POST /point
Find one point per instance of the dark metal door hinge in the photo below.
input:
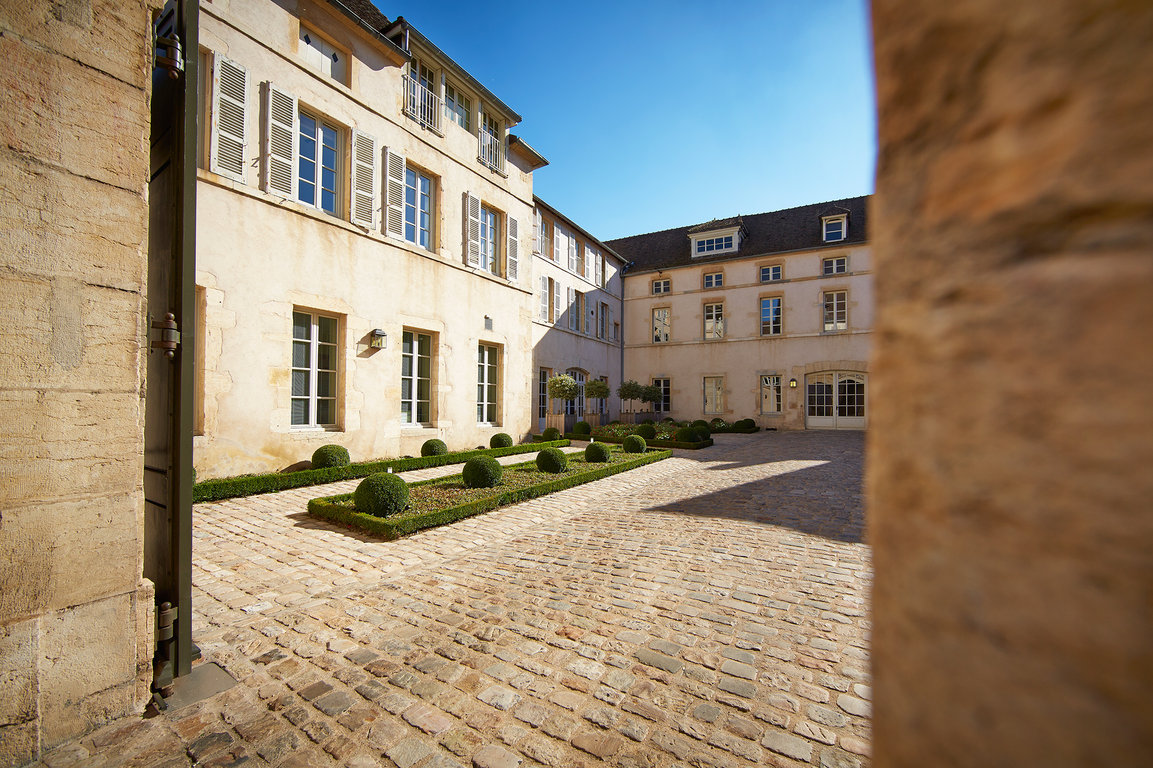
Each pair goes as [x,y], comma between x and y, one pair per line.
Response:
[169,335]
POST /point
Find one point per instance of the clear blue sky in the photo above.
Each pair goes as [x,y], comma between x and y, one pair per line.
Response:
[663,114]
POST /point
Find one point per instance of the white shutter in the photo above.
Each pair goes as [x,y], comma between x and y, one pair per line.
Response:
[599,263]
[512,257]
[572,254]
[363,186]
[556,312]
[588,263]
[556,243]
[536,231]
[229,103]
[393,193]
[588,313]
[610,329]
[471,230]
[280,142]
[544,298]
[573,317]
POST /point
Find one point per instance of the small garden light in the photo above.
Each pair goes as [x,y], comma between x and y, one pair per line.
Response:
[792,383]
[379,337]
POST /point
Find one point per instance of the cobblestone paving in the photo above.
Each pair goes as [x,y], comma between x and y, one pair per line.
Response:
[706,610]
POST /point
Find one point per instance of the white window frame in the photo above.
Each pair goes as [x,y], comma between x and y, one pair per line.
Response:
[542,392]
[772,385]
[458,106]
[490,239]
[665,385]
[421,186]
[410,341]
[714,316]
[714,280]
[714,385]
[664,285]
[776,273]
[488,385]
[829,232]
[313,371]
[713,243]
[834,265]
[776,307]
[576,406]
[661,320]
[317,179]
[835,311]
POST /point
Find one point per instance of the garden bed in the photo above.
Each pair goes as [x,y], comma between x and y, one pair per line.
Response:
[247,485]
[654,443]
[446,500]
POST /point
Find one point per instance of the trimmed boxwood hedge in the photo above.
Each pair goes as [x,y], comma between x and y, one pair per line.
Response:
[635,444]
[381,494]
[652,443]
[330,508]
[482,472]
[248,485]
[433,447]
[597,452]
[330,456]
[647,431]
[550,434]
[552,460]
[582,428]
[500,440]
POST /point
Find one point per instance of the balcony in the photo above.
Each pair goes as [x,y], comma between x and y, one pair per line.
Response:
[491,151]
[422,105]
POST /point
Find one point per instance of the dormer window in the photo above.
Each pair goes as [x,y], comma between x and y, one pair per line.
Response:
[835,228]
[716,241]
[715,244]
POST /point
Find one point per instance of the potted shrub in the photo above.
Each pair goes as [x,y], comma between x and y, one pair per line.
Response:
[596,389]
[629,391]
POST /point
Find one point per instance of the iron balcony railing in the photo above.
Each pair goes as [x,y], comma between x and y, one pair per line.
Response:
[421,104]
[491,151]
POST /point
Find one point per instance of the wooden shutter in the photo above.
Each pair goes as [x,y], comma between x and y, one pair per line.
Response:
[280,142]
[363,186]
[512,255]
[471,230]
[589,313]
[588,264]
[536,231]
[556,311]
[599,263]
[556,244]
[393,193]
[573,314]
[229,86]
[544,298]
[572,254]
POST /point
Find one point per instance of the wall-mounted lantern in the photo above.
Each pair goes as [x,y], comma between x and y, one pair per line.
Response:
[792,383]
[378,340]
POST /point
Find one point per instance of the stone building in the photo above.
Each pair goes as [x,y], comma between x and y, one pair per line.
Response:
[767,316]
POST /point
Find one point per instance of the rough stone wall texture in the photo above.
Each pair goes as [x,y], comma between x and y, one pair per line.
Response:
[1010,446]
[75,615]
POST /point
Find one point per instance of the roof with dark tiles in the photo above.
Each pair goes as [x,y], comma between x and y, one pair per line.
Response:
[793,229]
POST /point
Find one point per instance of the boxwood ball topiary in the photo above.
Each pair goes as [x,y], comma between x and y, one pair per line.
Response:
[433,447]
[699,423]
[647,431]
[552,433]
[635,444]
[685,435]
[703,430]
[482,472]
[330,456]
[596,452]
[500,440]
[552,460]
[381,495]
[582,428]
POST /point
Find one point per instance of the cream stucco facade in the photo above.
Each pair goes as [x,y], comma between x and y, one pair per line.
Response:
[388,249]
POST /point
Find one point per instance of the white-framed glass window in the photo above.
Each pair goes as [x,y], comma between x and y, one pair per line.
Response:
[487,384]
[660,325]
[714,394]
[542,393]
[770,394]
[603,321]
[489,240]
[771,273]
[661,286]
[458,106]
[314,348]
[491,143]
[771,316]
[715,321]
[415,378]
[576,406]
[837,265]
[665,386]
[323,55]
[836,310]
[318,161]
[714,244]
[714,280]
[834,228]
[601,404]
[418,201]
[546,239]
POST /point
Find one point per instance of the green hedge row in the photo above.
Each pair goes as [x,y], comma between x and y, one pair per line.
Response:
[247,485]
[734,430]
[329,508]
[650,443]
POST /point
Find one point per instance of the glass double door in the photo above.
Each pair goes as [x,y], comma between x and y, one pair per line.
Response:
[835,400]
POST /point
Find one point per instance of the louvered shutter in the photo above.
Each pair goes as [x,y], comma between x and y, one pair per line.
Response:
[393,193]
[280,142]
[471,230]
[588,313]
[556,311]
[544,298]
[610,329]
[536,231]
[573,314]
[363,186]
[599,263]
[556,244]
[229,87]
[588,263]
[512,256]
[572,254]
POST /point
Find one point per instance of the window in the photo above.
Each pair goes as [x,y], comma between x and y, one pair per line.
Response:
[715,244]
[458,106]
[322,55]
[714,280]
[491,140]
[666,403]
[600,404]
[835,266]
[603,321]
[772,273]
[313,370]
[770,394]
[714,394]
[542,393]
[714,321]
[489,240]
[661,286]
[318,157]
[836,310]
[835,228]
[660,325]
[545,235]
[576,406]
[418,197]
[422,102]
[486,384]
[771,316]
[415,378]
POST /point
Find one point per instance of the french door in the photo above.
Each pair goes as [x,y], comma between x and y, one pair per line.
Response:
[835,400]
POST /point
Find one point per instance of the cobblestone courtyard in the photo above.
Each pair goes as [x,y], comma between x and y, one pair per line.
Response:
[707,610]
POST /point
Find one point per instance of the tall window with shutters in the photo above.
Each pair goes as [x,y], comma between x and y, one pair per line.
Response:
[229,106]
[318,172]
[483,246]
